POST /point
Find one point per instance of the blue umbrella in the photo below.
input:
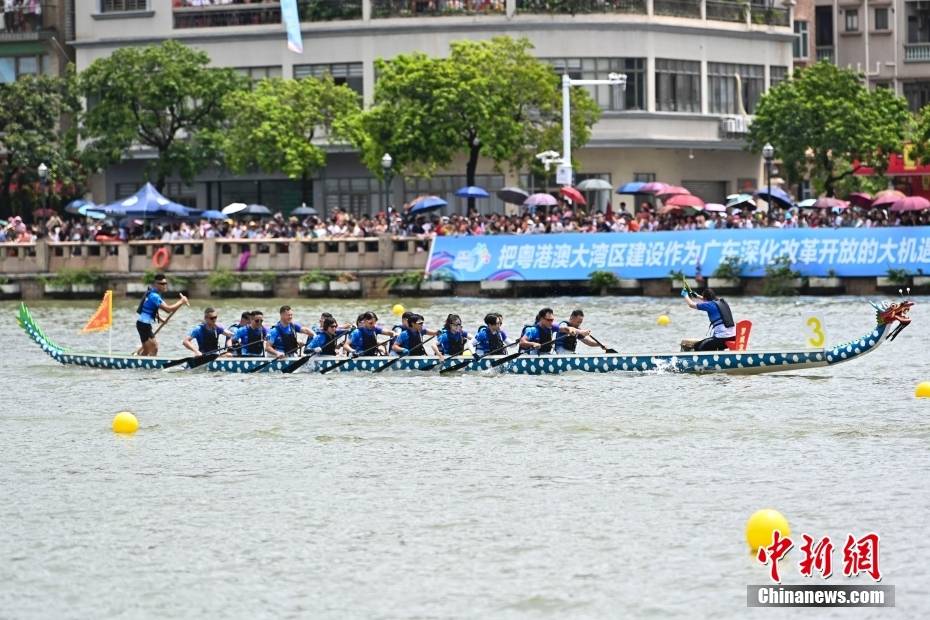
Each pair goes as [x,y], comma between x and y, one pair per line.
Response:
[430,203]
[74,206]
[778,195]
[472,191]
[88,211]
[212,214]
[632,187]
[738,199]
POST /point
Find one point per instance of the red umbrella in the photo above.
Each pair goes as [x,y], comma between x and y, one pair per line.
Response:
[653,187]
[43,213]
[826,202]
[911,203]
[573,194]
[672,190]
[887,197]
[685,200]
[860,199]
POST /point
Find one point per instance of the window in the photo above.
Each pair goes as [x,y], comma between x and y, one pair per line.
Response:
[918,22]
[777,75]
[644,177]
[852,20]
[349,74]
[608,97]
[678,85]
[881,19]
[917,95]
[260,73]
[14,67]
[123,6]
[801,40]
[724,96]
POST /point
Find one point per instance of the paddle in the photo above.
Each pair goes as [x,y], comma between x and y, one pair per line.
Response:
[350,358]
[305,358]
[514,356]
[601,345]
[265,365]
[476,358]
[403,355]
[204,358]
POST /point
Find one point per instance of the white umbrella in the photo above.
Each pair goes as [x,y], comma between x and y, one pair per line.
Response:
[591,185]
[715,207]
[235,207]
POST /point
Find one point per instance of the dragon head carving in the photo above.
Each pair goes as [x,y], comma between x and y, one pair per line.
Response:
[888,312]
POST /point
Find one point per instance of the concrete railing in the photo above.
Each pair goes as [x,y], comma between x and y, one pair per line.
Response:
[384,253]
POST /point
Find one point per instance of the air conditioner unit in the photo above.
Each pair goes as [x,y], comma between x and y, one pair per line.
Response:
[734,125]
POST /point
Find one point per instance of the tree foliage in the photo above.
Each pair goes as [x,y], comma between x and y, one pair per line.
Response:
[487,98]
[272,127]
[31,133]
[825,124]
[164,97]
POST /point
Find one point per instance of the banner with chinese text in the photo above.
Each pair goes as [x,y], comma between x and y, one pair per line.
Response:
[573,256]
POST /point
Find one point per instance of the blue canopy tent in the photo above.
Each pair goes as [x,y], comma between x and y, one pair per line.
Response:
[147,203]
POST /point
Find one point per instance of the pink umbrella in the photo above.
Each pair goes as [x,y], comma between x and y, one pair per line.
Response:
[653,187]
[911,203]
[541,200]
[826,202]
[715,207]
[685,200]
[860,199]
[672,190]
[573,194]
[887,197]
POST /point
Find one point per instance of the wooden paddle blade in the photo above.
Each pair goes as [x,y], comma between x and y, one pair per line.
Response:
[389,364]
[504,360]
[178,362]
[295,365]
[430,367]
[259,368]
[203,359]
[456,367]
[336,365]
[610,351]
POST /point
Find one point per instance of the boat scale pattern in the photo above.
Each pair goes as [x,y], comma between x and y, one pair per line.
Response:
[891,318]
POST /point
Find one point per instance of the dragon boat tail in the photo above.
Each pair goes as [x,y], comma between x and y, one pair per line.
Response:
[891,318]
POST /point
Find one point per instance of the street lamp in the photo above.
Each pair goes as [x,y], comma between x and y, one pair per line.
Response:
[43,180]
[768,153]
[564,172]
[387,163]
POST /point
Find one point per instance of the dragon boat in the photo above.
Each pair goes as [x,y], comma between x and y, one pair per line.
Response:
[891,318]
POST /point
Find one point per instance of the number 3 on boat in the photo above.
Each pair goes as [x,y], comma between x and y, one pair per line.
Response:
[817,337]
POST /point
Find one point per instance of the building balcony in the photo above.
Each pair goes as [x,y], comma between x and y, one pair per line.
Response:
[428,8]
[825,52]
[723,11]
[582,6]
[222,15]
[917,52]
[25,23]
[677,8]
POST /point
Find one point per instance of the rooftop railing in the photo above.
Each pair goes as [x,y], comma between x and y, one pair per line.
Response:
[726,11]
[222,15]
[677,8]
[27,21]
[423,8]
[573,7]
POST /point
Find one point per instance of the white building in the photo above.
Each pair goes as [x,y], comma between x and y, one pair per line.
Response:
[678,121]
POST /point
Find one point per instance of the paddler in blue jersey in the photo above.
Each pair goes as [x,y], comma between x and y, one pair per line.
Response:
[282,339]
[490,337]
[251,338]
[570,332]
[148,313]
[720,317]
[325,341]
[205,338]
[452,340]
[539,338]
[364,338]
[410,341]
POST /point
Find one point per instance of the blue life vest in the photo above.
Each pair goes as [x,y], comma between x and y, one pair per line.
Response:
[287,337]
[253,343]
[544,338]
[149,305]
[567,341]
[207,339]
[452,344]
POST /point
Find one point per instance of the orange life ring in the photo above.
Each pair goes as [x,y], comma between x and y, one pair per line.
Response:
[161,257]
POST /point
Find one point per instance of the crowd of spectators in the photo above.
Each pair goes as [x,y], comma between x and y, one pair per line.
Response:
[558,219]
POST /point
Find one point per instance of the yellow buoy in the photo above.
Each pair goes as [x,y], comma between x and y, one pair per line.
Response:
[923,390]
[762,524]
[397,310]
[125,423]
[663,320]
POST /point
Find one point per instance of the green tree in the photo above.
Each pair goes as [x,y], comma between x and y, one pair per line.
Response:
[488,98]
[825,124]
[34,129]
[164,97]
[272,127]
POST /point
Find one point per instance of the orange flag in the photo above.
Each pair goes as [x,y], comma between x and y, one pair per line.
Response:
[103,317]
